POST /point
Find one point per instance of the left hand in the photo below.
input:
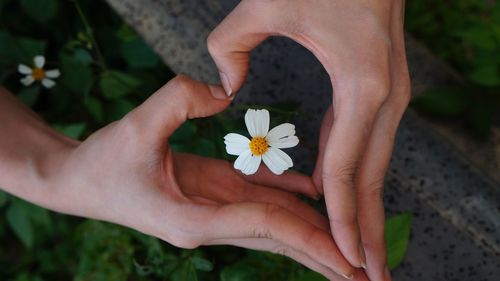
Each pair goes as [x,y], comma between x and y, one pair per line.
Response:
[126,173]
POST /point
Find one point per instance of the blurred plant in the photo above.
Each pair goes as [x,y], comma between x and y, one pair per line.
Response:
[107,70]
[466,33]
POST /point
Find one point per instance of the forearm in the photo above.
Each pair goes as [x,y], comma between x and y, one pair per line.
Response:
[30,151]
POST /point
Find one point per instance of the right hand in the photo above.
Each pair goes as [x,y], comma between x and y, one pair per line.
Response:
[126,173]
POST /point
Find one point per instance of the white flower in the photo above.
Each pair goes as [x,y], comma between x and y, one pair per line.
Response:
[37,73]
[265,145]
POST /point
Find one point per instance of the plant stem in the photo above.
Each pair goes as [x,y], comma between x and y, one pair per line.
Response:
[90,34]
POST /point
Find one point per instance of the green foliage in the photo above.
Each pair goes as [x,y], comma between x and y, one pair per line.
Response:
[24,217]
[466,33]
[74,131]
[115,84]
[397,235]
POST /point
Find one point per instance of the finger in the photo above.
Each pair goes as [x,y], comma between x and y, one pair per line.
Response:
[269,245]
[356,105]
[288,181]
[180,99]
[256,220]
[324,132]
[250,23]
[378,154]
[288,201]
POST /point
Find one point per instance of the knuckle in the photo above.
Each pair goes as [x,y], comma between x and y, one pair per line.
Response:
[262,232]
[180,83]
[374,191]
[342,223]
[345,175]
[281,250]
[375,88]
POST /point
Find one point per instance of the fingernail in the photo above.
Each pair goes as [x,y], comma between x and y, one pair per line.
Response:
[226,84]
[362,256]
[218,93]
[387,274]
[350,276]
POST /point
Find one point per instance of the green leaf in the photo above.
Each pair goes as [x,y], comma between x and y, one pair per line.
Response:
[74,131]
[83,56]
[239,272]
[139,54]
[40,10]
[442,102]
[29,95]
[186,272]
[397,234]
[204,147]
[311,276]
[75,75]
[115,84]
[116,109]
[19,222]
[94,108]
[3,198]
[487,75]
[202,264]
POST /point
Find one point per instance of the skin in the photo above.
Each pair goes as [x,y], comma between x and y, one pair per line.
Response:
[361,45]
[127,174]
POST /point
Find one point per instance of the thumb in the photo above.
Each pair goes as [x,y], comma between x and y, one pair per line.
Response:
[182,98]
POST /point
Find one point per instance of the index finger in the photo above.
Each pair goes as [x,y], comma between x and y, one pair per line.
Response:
[346,145]
[257,220]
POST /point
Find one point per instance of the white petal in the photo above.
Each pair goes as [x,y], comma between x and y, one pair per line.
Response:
[23,69]
[253,165]
[277,161]
[257,121]
[28,80]
[247,163]
[286,142]
[236,143]
[47,83]
[39,61]
[54,73]
[282,136]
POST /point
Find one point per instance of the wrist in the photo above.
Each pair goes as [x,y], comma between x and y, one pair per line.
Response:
[31,164]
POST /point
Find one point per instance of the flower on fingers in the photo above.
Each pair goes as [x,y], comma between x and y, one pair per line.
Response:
[265,144]
[38,74]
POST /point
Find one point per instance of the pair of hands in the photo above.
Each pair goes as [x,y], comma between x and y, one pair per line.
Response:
[131,177]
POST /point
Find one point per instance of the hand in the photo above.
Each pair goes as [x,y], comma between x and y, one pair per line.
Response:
[126,173]
[361,45]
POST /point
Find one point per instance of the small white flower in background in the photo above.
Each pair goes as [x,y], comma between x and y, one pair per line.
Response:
[37,73]
[264,146]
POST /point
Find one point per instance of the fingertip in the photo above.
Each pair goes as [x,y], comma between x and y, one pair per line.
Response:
[219,93]
[226,84]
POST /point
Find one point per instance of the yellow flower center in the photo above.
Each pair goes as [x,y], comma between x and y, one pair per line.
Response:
[258,146]
[38,74]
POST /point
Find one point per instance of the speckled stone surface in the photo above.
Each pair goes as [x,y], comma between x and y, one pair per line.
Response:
[456,229]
